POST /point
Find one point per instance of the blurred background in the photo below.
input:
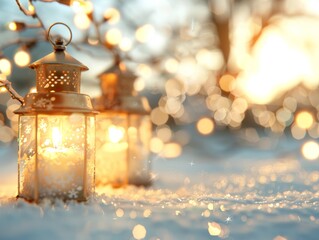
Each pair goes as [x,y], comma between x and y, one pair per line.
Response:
[245,68]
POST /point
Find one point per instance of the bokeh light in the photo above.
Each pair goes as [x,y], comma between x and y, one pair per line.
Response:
[158,117]
[214,229]
[227,83]
[12,26]
[5,66]
[205,126]
[139,231]
[112,15]
[113,36]
[156,145]
[22,58]
[144,33]
[310,150]
[171,150]
[125,44]
[81,21]
[304,119]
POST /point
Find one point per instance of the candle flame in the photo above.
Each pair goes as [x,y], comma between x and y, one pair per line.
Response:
[115,134]
[56,137]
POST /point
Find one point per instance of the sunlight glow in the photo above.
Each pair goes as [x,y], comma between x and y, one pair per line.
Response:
[280,60]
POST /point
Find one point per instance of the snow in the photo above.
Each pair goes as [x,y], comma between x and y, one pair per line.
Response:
[220,185]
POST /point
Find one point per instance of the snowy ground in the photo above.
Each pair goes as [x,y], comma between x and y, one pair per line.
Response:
[221,187]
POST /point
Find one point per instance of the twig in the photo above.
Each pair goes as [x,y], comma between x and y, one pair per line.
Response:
[24,10]
[7,84]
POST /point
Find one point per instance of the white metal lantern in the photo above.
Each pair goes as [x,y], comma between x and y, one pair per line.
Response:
[56,131]
[123,132]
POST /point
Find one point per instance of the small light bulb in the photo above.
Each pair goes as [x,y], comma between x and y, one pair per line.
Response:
[112,15]
[113,36]
[82,21]
[12,26]
[22,58]
[5,66]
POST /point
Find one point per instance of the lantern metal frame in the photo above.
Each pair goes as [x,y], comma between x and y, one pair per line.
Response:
[58,85]
[118,99]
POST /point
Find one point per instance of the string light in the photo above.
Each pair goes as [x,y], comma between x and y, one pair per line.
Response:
[112,15]
[81,20]
[5,66]
[22,57]
[113,36]
[16,26]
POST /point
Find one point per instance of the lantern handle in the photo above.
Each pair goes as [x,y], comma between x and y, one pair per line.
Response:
[50,37]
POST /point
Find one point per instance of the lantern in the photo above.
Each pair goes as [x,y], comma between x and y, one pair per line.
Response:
[56,131]
[123,131]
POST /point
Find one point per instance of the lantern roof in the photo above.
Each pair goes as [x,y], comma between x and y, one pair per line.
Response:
[59,57]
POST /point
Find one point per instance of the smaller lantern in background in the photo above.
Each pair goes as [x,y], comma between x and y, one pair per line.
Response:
[123,131]
[56,131]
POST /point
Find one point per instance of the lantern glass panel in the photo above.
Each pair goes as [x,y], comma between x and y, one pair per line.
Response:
[122,145]
[111,148]
[90,155]
[26,156]
[60,160]
[139,135]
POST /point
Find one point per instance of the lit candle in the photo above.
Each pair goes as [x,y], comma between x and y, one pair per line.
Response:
[60,170]
[112,158]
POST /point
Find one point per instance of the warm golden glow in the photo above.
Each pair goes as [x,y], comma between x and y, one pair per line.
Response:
[112,15]
[205,126]
[56,137]
[125,44]
[212,60]
[210,206]
[22,58]
[33,90]
[119,212]
[144,33]
[158,117]
[12,26]
[84,6]
[139,84]
[31,8]
[115,133]
[164,133]
[144,70]
[113,36]
[5,66]
[214,229]
[156,145]
[171,150]
[279,61]
[310,150]
[139,231]
[171,65]
[81,21]
[304,120]
[227,83]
